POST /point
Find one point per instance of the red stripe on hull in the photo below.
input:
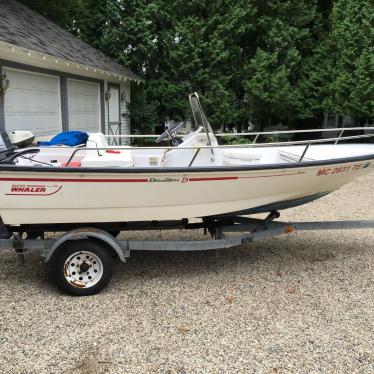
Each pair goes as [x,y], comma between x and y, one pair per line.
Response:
[139,180]
[212,179]
[71,180]
[274,175]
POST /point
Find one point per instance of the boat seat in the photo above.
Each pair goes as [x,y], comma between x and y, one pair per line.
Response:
[121,158]
[105,158]
[234,157]
[293,156]
[241,154]
[97,140]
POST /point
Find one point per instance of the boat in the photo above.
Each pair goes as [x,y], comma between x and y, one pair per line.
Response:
[90,191]
[194,177]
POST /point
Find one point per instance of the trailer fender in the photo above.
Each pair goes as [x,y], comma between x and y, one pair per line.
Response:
[87,233]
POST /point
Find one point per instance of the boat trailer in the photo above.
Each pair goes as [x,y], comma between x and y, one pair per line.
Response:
[82,257]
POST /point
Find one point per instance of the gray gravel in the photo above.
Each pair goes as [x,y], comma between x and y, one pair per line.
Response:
[302,304]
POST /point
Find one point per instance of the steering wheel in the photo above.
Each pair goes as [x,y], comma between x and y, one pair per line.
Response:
[171,133]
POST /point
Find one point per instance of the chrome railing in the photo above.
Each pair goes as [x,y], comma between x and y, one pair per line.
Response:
[257,134]
[307,143]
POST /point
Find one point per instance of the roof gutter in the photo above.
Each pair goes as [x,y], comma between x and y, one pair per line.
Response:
[45,60]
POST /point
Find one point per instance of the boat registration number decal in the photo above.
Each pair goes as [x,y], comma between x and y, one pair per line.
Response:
[338,170]
[33,189]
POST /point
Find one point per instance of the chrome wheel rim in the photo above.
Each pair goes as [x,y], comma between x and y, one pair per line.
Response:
[83,269]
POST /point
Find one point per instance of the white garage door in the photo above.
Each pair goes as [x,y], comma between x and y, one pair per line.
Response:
[32,103]
[83,105]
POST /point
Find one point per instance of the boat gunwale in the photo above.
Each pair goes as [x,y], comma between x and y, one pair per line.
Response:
[185,169]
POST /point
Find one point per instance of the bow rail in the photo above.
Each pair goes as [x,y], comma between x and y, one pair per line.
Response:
[307,143]
[341,130]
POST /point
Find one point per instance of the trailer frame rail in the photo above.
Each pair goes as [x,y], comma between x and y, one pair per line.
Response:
[252,230]
[82,258]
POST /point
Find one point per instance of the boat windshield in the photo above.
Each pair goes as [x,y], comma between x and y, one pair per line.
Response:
[200,118]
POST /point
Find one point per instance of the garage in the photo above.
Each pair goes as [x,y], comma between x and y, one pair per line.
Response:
[83,105]
[51,81]
[32,102]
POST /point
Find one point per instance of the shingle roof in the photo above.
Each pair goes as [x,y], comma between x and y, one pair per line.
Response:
[21,26]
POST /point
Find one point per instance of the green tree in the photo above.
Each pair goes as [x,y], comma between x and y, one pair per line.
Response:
[62,12]
[284,32]
[268,60]
[351,90]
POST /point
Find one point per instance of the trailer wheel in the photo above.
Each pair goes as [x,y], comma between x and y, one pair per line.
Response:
[82,267]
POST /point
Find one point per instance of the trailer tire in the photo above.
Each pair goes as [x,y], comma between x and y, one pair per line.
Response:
[82,267]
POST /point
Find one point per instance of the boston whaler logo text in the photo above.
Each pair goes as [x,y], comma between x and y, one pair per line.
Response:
[183,179]
[33,189]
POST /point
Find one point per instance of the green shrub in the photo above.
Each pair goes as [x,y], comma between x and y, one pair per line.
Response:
[229,139]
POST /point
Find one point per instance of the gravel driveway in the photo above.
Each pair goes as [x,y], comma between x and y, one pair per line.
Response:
[302,304]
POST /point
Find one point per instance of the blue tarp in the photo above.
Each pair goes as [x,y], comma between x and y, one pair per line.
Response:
[69,138]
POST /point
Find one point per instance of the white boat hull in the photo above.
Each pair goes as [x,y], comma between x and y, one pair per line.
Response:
[43,197]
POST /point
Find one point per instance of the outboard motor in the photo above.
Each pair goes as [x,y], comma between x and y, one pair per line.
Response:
[21,138]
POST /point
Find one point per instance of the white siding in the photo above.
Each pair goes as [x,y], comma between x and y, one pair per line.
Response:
[125,121]
[113,104]
[32,103]
[83,105]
